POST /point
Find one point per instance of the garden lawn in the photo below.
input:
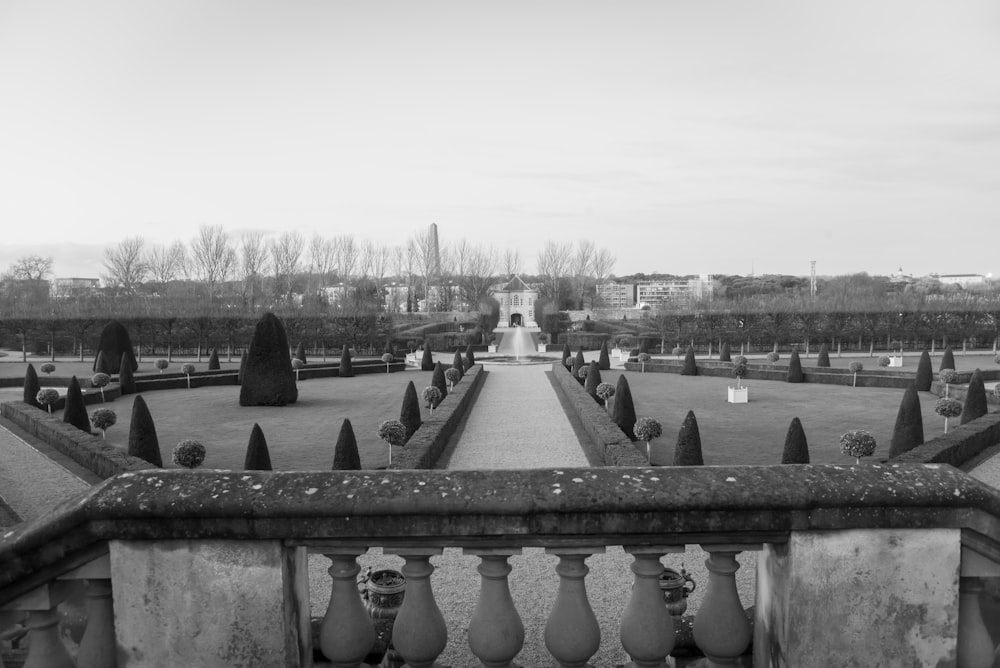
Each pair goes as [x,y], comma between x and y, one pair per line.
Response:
[300,436]
[754,433]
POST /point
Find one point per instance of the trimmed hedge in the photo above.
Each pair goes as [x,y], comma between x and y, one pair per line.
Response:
[428,442]
[608,445]
[958,446]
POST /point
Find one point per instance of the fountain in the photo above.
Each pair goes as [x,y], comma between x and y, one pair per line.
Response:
[516,347]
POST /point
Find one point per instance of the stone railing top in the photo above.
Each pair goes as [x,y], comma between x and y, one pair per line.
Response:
[593,506]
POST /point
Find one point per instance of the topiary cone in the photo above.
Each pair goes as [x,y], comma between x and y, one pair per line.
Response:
[690,366]
[796,448]
[142,440]
[409,414]
[623,409]
[975,398]
[688,449]
[213,360]
[470,357]
[300,352]
[456,363]
[258,457]
[113,344]
[439,381]
[593,380]
[243,366]
[268,379]
[724,354]
[794,374]
[126,381]
[604,360]
[925,375]
[31,387]
[908,432]
[947,359]
[345,453]
[578,363]
[427,361]
[823,359]
[75,412]
[346,370]
[566,354]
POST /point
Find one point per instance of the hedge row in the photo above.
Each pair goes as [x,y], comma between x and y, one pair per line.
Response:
[427,444]
[958,446]
[608,446]
[88,450]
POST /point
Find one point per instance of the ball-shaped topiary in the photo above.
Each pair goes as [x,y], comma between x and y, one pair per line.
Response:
[773,357]
[452,375]
[883,360]
[605,391]
[676,351]
[47,398]
[432,396]
[48,368]
[388,358]
[161,364]
[392,432]
[647,428]
[103,419]
[858,443]
[189,454]
[268,379]
[854,368]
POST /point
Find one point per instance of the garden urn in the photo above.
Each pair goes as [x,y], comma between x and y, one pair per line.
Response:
[675,590]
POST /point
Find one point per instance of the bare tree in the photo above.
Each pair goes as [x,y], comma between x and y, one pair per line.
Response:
[581,269]
[347,252]
[403,266]
[286,253]
[378,258]
[126,265]
[167,263]
[29,268]
[212,256]
[427,262]
[253,255]
[511,262]
[601,267]
[553,265]
[322,257]
[475,271]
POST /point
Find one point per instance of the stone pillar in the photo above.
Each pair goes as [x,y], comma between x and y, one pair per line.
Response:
[496,632]
[347,633]
[721,629]
[572,634]
[206,603]
[859,597]
[647,629]
[419,633]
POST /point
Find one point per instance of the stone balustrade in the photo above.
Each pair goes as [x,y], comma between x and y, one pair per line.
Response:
[857,565]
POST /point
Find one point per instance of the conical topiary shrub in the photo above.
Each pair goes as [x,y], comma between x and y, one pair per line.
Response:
[345,453]
[794,374]
[142,440]
[243,366]
[258,458]
[909,430]
[947,359]
[31,387]
[593,380]
[690,366]
[427,361]
[213,360]
[268,379]
[126,381]
[457,363]
[470,357]
[604,359]
[566,354]
[623,411]
[409,413]
[975,398]
[439,381]
[75,412]
[688,449]
[724,354]
[578,364]
[796,448]
[823,360]
[114,343]
[300,352]
[346,370]
[925,375]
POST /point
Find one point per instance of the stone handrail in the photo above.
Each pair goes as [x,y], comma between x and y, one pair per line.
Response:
[922,516]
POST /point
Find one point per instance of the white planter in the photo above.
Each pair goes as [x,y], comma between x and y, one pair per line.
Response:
[542,347]
[738,395]
[896,360]
[491,348]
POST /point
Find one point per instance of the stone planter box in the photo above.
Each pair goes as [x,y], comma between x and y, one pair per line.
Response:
[896,360]
[738,395]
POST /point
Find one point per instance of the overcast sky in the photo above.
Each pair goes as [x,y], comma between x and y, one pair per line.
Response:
[687,137]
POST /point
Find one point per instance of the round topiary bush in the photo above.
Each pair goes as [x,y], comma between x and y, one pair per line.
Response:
[854,368]
[857,444]
[432,396]
[100,380]
[646,429]
[392,432]
[773,357]
[605,391]
[48,368]
[47,398]
[452,375]
[883,361]
[103,419]
[161,364]
[388,358]
[189,454]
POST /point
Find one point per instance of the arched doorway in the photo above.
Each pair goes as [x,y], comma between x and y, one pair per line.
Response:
[516,320]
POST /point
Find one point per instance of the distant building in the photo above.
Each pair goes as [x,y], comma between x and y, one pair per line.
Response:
[616,295]
[962,280]
[74,288]
[517,304]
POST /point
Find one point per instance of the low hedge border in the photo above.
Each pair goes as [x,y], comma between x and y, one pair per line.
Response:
[86,449]
[609,446]
[958,446]
[424,448]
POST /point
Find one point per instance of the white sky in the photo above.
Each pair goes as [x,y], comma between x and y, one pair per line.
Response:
[687,137]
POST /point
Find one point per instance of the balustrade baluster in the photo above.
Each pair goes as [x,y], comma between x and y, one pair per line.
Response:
[347,633]
[721,629]
[496,633]
[975,648]
[419,633]
[572,634]
[97,646]
[45,647]
[647,629]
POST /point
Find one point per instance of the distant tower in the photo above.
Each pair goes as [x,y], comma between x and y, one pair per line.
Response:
[436,250]
[812,280]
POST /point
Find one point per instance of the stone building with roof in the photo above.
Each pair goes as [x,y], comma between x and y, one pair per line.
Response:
[517,304]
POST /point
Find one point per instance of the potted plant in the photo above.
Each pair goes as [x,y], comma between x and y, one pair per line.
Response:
[857,444]
[739,394]
[646,429]
[382,594]
[948,408]
[392,432]
[100,380]
[605,391]
[102,419]
[189,453]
